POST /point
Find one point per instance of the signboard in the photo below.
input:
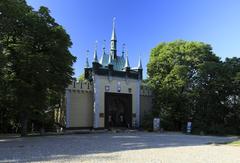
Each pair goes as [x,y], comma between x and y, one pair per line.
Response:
[189,127]
[156,124]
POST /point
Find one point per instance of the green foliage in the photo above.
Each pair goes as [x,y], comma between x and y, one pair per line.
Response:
[36,65]
[192,84]
[147,123]
[235,143]
[81,78]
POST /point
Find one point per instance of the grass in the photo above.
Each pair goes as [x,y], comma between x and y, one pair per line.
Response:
[235,143]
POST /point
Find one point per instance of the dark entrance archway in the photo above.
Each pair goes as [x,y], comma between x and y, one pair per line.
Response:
[118,110]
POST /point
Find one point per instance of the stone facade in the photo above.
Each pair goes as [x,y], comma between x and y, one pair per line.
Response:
[79,102]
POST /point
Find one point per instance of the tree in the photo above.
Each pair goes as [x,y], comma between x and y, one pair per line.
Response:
[218,103]
[172,72]
[191,83]
[39,63]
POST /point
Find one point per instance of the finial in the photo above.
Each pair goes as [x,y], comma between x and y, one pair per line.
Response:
[123,48]
[140,63]
[95,58]
[127,65]
[87,64]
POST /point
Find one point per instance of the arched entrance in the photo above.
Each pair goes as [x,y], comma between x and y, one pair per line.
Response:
[118,110]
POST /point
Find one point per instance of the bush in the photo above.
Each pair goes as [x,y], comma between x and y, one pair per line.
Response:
[147,123]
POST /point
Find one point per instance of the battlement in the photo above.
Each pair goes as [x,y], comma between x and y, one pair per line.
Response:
[80,86]
[86,86]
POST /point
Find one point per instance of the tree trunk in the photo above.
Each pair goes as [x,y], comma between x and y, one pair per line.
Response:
[1,122]
[24,125]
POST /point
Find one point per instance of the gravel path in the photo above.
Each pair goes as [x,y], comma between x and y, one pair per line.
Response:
[120,147]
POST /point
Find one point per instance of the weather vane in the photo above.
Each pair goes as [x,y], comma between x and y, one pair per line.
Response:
[87,53]
[123,46]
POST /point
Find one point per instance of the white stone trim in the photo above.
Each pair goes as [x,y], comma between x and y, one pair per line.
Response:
[122,79]
[96,104]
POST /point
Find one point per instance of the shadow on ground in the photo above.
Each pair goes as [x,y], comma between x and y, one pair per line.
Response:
[49,148]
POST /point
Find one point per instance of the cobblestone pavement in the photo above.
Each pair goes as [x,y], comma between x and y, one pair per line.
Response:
[120,147]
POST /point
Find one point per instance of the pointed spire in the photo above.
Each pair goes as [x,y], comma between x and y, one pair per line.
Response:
[103,52]
[87,63]
[140,63]
[113,42]
[127,65]
[114,36]
[95,58]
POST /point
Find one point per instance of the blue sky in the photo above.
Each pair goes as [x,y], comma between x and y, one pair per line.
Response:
[143,24]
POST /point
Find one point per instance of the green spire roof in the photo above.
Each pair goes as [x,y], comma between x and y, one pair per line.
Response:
[109,59]
[140,63]
[87,63]
[126,61]
[118,63]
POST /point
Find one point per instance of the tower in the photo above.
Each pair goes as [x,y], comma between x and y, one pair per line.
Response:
[116,87]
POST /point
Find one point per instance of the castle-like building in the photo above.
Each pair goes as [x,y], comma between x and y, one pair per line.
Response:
[111,96]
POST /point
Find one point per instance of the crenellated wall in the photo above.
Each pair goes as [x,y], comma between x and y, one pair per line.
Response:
[81,86]
[79,105]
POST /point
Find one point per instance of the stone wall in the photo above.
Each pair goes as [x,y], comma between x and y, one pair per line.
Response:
[129,86]
[146,97]
[79,100]
[79,105]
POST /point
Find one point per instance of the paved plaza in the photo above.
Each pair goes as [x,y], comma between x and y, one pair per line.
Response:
[120,147]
